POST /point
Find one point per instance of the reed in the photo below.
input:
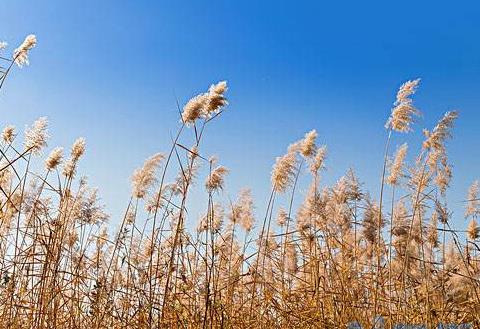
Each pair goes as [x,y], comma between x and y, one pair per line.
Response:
[340,257]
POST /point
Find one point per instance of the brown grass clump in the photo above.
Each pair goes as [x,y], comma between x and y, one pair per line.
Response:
[339,258]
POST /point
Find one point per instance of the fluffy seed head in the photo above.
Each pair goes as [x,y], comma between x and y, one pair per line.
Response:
[69,168]
[397,165]
[220,88]
[215,99]
[282,217]
[432,231]
[370,222]
[406,90]
[242,210]
[193,153]
[436,139]
[5,174]
[443,177]
[212,220]
[308,147]
[245,207]
[20,55]
[206,104]
[144,177]
[295,147]
[8,134]
[473,230]
[194,108]
[319,159]
[283,172]
[36,136]
[215,180]
[78,148]
[442,213]
[473,201]
[3,45]
[403,110]
[54,159]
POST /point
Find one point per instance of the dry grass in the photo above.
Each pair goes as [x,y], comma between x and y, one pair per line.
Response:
[341,257]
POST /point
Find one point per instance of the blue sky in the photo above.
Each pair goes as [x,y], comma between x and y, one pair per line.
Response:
[110,71]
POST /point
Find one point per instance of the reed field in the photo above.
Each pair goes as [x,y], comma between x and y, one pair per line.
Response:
[342,258]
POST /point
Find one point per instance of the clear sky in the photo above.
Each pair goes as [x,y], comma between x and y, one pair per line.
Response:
[110,71]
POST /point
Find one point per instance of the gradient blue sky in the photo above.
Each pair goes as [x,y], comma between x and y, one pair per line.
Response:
[110,70]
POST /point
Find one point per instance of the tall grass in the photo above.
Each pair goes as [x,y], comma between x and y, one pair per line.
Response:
[339,258]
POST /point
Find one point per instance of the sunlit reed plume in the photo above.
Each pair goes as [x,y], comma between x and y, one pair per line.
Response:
[206,104]
[436,139]
[144,177]
[397,165]
[473,230]
[36,136]
[8,134]
[54,159]
[319,159]
[78,148]
[473,200]
[282,217]
[215,180]
[403,110]
[283,171]
[20,54]
[308,147]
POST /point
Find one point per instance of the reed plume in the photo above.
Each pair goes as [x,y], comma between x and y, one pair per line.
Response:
[20,55]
